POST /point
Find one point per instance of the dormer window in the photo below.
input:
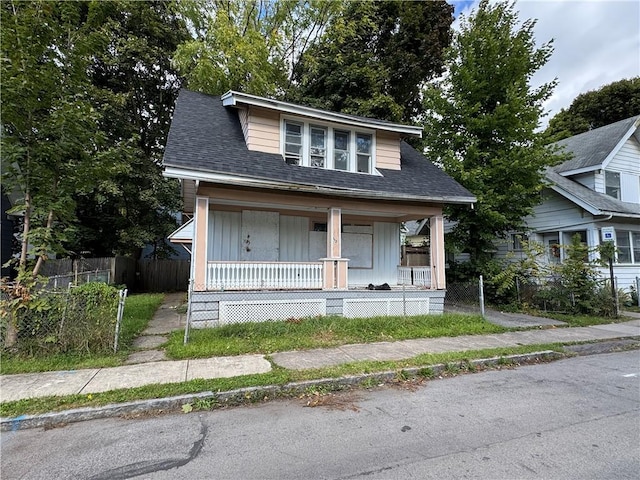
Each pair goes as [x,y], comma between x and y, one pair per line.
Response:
[326,146]
[341,150]
[293,143]
[318,147]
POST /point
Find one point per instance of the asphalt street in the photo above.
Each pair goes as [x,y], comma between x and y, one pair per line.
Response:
[575,418]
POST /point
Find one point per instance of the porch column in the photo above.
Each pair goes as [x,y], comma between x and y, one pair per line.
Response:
[438,279]
[199,247]
[335,267]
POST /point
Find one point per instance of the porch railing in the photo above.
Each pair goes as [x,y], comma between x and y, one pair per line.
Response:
[418,276]
[264,275]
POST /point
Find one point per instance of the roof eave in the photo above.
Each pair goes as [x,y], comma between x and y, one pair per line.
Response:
[215,177]
[232,99]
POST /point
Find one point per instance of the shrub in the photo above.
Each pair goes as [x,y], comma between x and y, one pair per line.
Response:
[81,320]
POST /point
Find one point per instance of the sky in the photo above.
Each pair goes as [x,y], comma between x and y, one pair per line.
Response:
[596,42]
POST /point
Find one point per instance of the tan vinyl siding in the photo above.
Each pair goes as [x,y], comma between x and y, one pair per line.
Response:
[387,151]
[263,130]
[188,195]
[244,121]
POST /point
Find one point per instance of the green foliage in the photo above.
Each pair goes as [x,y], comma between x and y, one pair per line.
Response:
[50,131]
[515,270]
[138,311]
[482,125]
[373,59]
[87,94]
[597,108]
[250,46]
[81,320]
[135,88]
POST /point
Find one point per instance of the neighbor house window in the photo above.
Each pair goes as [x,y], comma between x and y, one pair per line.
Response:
[628,245]
[293,143]
[326,146]
[518,240]
[612,184]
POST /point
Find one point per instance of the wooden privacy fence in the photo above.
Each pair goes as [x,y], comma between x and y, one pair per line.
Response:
[163,275]
[137,275]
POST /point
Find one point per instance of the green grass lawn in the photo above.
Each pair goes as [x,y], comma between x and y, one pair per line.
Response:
[321,332]
[138,310]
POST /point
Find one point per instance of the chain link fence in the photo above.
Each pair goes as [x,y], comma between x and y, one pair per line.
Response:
[465,297]
[79,319]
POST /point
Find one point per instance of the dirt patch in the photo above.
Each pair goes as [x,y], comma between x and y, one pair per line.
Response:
[343,400]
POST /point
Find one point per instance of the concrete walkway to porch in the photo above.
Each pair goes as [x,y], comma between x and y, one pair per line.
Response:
[88,381]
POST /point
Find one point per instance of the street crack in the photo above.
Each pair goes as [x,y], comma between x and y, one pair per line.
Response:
[148,467]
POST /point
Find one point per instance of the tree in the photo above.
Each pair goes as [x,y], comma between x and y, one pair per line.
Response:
[374,58]
[135,90]
[482,123]
[597,108]
[249,46]
[51,142]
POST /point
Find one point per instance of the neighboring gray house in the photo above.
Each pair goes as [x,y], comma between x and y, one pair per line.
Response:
[594,194]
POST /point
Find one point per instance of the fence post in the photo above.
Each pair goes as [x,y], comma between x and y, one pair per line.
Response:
[122,295]
[616,300]
[638,290]
[481,293]
[189,300]
[404,300]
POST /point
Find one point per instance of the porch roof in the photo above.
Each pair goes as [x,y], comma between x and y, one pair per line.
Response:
[206,142]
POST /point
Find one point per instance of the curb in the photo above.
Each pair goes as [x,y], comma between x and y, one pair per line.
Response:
[258,394]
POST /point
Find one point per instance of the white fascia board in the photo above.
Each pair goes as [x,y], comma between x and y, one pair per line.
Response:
[578,171]
[622,141]
[232,99]
[174,172]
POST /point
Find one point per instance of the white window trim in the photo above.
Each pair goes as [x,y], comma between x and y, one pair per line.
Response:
[329,160]
[629,235]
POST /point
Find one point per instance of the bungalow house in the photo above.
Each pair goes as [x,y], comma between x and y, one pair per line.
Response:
[296,211]
[595,194]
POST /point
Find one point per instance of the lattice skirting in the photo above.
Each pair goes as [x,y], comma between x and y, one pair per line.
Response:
[260,311]
[210,309]
[380,307]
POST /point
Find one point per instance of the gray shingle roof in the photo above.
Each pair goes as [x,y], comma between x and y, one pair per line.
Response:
[603,204]
[591,148]
[207,137]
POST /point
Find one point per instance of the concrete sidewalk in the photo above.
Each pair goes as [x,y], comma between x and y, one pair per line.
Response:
[31,385]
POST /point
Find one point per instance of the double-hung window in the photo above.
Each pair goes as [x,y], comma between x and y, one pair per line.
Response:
[325,146]
[612,184]
[293,143]
[363,147]
[341,155]
[318,147]
[628,245]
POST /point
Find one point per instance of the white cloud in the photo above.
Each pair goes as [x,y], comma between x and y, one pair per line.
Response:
[596,42]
